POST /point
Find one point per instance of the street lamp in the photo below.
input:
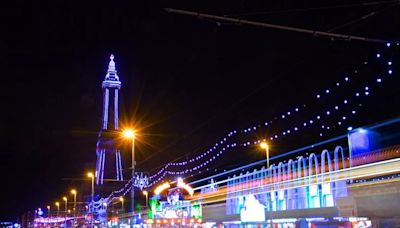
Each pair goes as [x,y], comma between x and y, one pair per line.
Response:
[66,202]
[48,210]
[265,146]
[92,204]
[130,134]
[73,192]
[121,199]
[147,195]
[58,207]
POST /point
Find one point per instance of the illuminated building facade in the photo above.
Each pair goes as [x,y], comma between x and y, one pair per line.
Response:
[297,184]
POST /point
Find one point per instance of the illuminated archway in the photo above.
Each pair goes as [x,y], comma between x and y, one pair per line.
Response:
[180,184]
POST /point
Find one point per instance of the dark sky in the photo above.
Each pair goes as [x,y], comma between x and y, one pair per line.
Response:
[186,82]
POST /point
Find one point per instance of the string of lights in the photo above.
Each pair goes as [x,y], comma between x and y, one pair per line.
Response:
[350,103]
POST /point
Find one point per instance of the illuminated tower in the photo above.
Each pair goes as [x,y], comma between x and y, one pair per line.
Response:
[106,144]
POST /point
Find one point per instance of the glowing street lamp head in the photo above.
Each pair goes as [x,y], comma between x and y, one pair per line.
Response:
[128,133]
[48,207]
[90,174]
[121,199]
[57,204]
[264,145]
[73,192]
[145,193]
[65,198]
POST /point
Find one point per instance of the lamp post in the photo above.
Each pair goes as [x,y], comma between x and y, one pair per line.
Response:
[58,207]
[265,146]
[66,202]
[130,134]
[121,199]
[48,210]
[73,192]
[92,204]
[147,195]
[66,209]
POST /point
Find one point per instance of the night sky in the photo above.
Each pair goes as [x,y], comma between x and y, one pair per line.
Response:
[186,81]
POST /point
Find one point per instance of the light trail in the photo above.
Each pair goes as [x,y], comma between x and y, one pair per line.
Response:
[363,171]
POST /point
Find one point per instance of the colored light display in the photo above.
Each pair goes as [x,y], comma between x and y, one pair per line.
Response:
[161,188]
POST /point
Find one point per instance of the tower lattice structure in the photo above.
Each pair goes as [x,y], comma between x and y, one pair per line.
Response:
[106,144]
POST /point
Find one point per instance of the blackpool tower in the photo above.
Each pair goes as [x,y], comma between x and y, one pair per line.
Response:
[106,145]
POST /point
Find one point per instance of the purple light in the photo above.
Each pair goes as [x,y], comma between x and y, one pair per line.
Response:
[304,124]
[311,121]
[357,94]
[283,116]
[353,112]
[366,93]
[288,113]
[344,118]
[328,112]
[327,91]
[378,55]
[338,84]
[378,80]
[318,96]
[318,117]
[366,88]
[387,44]
[346,79]
[345,101]
[390,71]
[295,128]
[389,63]
[339,123]
[336,107]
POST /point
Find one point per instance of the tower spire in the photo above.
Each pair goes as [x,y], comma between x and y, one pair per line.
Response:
[112,72]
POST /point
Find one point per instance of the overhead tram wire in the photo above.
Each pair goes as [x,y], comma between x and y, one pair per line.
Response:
[279,27]
[364,17]
[299,10]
